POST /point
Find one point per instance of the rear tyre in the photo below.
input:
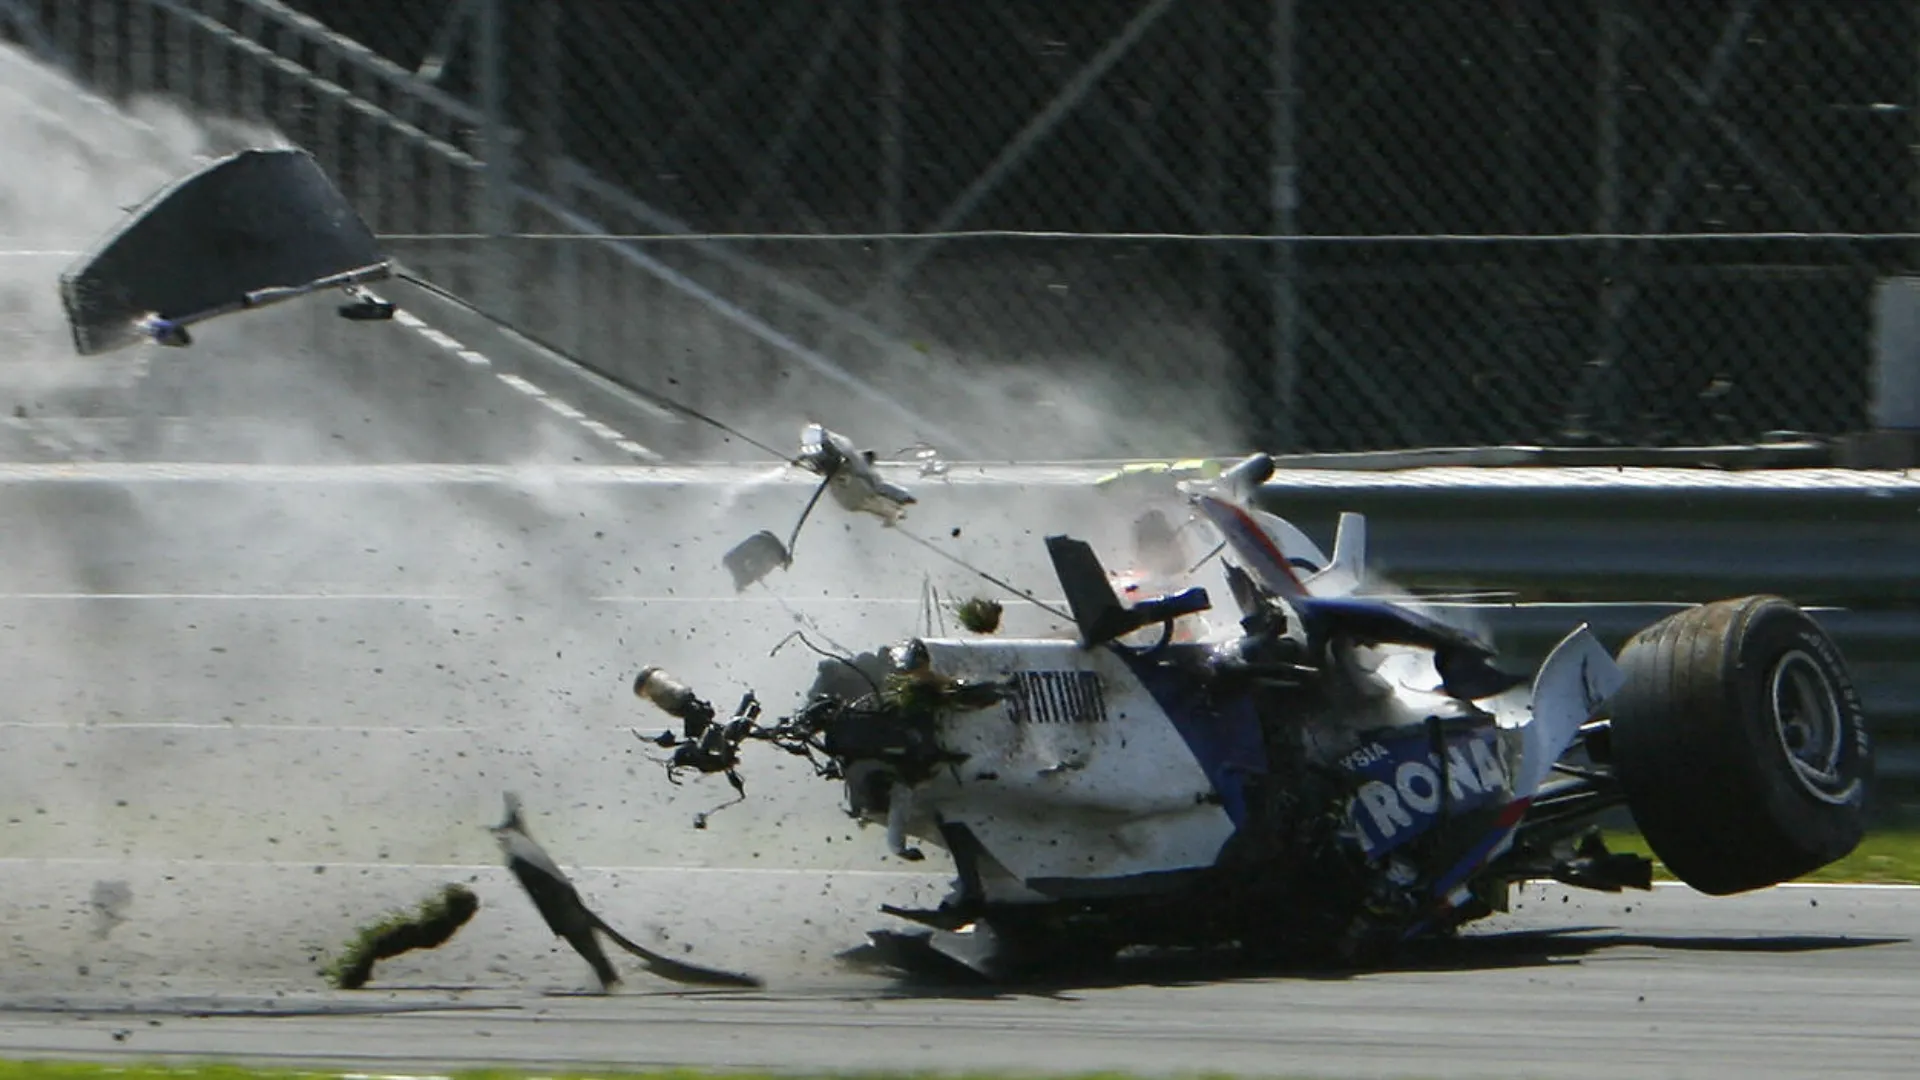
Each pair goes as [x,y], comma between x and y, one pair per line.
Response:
[1741,745]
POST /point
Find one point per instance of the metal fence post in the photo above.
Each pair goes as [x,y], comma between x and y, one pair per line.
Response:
[1213,158]
[546,108]
[1282,431]
[893,151]
[567,296]
[494,270]
[1913,139]
[66,35]
[179,57]
[556,301]
[109,74]
[1592,412]
[140,44]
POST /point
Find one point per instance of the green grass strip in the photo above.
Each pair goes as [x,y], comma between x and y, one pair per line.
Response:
[1890,857]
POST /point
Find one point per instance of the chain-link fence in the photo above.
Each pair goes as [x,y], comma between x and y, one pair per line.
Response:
[1301,224]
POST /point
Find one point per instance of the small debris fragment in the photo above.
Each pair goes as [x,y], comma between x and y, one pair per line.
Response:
[754,558]
[848,473]
[430,926]
[979,614]
[929,460]
[569,917]
[109,901]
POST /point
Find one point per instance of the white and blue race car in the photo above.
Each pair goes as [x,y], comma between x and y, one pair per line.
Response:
[1327,774]
[1326,777]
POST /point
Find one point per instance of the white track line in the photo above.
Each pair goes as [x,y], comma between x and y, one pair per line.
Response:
[1886,886]
[564,409]
[521,385]
[476,358]
[296,598]
[238,726]
[458,868]
[279,597]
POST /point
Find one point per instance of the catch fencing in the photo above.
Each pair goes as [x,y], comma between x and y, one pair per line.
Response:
[1018,228]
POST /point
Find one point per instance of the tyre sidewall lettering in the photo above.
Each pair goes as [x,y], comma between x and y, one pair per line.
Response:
[1770,635]
[1847,696]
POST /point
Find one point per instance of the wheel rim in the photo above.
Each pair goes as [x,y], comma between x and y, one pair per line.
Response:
[1811,726]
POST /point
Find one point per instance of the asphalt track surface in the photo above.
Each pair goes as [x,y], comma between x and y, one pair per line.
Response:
[283,614]
[1796,982]
[319,688]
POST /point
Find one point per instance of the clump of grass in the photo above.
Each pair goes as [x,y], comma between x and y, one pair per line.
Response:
[913,694]
[922,696]
[427,927]
[979,614]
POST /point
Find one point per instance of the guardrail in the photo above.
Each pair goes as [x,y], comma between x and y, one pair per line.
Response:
[1880,647]
[1834,537]
[1620,547]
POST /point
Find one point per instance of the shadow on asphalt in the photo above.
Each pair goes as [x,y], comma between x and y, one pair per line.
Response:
[1167,969]
[1477,952]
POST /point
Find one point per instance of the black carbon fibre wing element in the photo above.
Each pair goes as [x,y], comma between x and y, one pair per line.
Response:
[248,230]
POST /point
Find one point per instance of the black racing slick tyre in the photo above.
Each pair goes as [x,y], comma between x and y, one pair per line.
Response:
[1739,741]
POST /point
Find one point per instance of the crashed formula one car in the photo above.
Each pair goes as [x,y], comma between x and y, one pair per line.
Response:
[1329,773]
[1327,776]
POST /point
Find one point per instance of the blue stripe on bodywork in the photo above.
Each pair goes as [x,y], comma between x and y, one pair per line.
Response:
[1224,736]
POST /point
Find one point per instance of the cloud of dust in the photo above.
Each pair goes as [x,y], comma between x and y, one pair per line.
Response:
[329,732]
[343,731]
[1160,393]
[79,162]
[357,732]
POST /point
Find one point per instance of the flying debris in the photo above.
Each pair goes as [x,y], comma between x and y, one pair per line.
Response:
[430,926]
[979,614]
[849,474]
[363,306]
[568,916]
[929,460]
[846,471]
[752,559]
[248,230]
[265,226]
[704,744]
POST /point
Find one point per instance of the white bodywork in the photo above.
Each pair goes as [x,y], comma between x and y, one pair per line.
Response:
[1572,685]
[1082,775]
[1079,774]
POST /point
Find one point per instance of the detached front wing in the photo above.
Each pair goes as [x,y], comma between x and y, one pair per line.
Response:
[252,229]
